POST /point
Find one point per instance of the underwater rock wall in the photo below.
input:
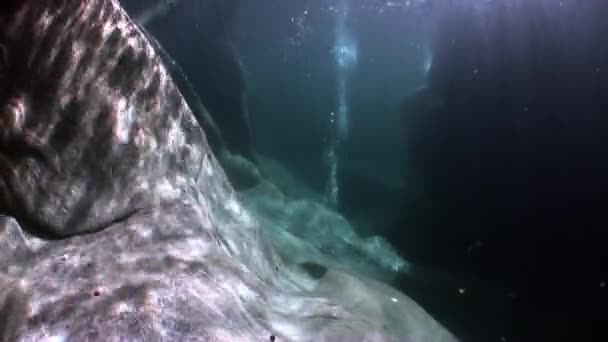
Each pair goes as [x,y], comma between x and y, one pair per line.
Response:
[118,222]
[199,37]
[295,219]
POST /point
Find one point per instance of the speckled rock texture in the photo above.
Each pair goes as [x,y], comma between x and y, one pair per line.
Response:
[118,223]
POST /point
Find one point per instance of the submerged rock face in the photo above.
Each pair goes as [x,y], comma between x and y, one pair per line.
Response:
[119,224]
[84,144]
[198,34]
[310,232]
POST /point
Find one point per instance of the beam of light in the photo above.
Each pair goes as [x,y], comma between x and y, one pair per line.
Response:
[160,8]
[332,184]
[345,47]
[345,53]
[428,59]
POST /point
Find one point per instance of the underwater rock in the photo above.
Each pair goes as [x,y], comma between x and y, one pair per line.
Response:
[119,223]
[242,172]
[305,230]
[210,59]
